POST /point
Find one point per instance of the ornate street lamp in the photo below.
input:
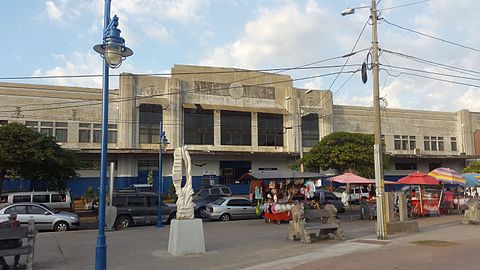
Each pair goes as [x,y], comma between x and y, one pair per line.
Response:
[113,52]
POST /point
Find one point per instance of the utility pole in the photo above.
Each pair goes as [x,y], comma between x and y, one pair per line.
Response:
[379,183]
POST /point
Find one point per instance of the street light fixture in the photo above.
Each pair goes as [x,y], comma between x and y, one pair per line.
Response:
[113,51]
[378,160]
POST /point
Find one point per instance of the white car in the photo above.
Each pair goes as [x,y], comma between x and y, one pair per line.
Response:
[45,217]
[356,193]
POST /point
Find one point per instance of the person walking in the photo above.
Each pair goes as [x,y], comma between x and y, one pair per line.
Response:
[10,243]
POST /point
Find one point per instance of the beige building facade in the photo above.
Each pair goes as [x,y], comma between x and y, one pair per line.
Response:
[231,120]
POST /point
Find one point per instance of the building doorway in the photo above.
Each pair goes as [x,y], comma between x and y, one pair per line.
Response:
[231,171]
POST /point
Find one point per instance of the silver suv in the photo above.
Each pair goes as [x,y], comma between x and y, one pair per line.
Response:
[213,190]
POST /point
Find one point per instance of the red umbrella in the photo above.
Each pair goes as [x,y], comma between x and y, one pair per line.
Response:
[418,178]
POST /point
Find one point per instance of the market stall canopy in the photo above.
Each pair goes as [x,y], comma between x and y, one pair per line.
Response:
[448,176]
[472,179]
[350,178]
[418,178]
[280,175]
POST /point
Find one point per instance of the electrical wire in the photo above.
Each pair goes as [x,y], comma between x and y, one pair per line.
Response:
[424,61]
[431,78]
[432,72]
[405,5]
[430,36]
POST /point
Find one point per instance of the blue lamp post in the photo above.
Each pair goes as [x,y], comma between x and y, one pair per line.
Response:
[113,51]
[163,144]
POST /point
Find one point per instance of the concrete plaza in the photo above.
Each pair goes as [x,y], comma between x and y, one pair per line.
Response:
[253,244]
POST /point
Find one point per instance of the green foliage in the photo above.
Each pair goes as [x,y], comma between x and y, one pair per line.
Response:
[150,178]
[344,152]
[25,153]
[473,167]
[90,195]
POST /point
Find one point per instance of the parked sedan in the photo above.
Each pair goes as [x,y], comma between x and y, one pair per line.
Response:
[201,202]
[45,217]
[227,208]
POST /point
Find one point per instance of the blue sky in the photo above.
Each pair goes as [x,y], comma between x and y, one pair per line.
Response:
[56,38]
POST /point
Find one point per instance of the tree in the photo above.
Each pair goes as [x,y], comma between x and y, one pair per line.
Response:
[25,153]
[473,167]
[345,151]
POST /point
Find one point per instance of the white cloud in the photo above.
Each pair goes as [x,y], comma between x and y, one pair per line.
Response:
[158,32]
[289,31]
[80,63]
[54,13]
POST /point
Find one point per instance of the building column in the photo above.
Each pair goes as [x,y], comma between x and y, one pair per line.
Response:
[217,131]
[126,127]
[254,124]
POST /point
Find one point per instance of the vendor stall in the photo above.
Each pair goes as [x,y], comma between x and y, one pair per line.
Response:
[276,193]
[426,201]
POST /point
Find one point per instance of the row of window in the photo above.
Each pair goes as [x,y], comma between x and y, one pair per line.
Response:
[430,143]
[412,166]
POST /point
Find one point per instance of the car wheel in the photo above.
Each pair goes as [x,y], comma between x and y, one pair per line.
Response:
[123,221]
[61,226]
[225,217]
[172,216]
[200,212]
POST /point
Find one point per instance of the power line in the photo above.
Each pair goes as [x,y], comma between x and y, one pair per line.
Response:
[432,37]
[405,5]
[433,73]
[421,60]
[272,70]
[431,78]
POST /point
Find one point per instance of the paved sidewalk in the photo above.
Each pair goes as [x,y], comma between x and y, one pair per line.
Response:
[249,244]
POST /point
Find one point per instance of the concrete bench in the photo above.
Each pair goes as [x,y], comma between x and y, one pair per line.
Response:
[27,235]
[321,223]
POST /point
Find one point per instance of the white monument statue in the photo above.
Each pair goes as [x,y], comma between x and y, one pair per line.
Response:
[186,232]
[184,194]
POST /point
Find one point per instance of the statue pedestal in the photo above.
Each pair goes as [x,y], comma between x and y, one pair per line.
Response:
[186,237]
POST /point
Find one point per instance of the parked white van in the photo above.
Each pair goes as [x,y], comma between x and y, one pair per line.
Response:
[52,199]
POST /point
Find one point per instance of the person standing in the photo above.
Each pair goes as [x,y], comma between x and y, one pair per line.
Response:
[10,243]
[448,198]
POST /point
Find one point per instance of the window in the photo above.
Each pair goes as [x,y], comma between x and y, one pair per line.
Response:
[434,143]
[148,165]
[32,124]
[426,143]
[310,130]
[453,143]
[135,201]
[119,201]
[3,122]
[41,198]
[22,198]
[405,166]
[245,203]
[215,191]
[226,191]
[198,126]
[112,133]
[59,197]
[20,209]
[61,131]
[46,128]
[150,117]
[203,193]
[270,129]
[84,132]
[404,142]
[235,202]
[97,133]
[236,128]
[35,210]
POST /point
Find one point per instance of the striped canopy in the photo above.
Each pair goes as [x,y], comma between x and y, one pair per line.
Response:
[472,179]
[448,176]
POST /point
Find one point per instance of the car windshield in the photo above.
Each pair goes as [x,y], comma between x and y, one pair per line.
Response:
[49,208]
[219,201]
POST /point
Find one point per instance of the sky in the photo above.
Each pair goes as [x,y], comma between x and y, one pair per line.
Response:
[429,59]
